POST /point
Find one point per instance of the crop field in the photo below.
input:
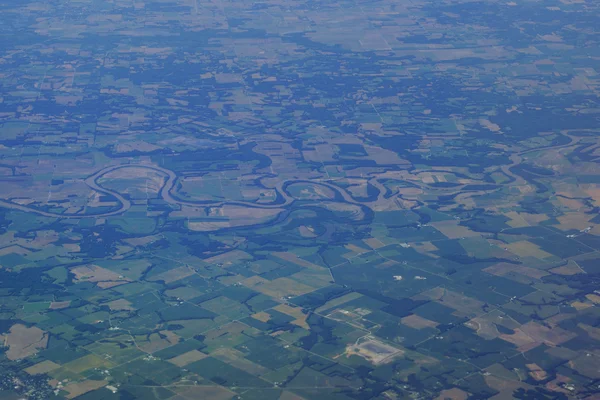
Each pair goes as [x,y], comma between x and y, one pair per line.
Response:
[299,201]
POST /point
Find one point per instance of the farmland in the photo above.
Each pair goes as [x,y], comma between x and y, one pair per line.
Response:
[306,200]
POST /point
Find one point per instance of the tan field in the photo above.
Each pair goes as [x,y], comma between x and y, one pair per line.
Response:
[42,368]
[187,358]
[23,342]
[76,389]
[103,278]
[416,322]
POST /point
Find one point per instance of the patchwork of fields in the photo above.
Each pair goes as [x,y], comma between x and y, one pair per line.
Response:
[307,200]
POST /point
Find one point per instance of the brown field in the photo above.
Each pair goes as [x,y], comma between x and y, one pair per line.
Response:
[267,115]
[42,238]
[23,342]
[355,249]
[520,339]
[42,368]
[338,301]
[277,288]
[553,336]
[293,258]
[500,371]
[321,153]
[95,200]
[183,292]
[374,243]
[593,191]
[14,250]
[229,258]
[290,396]
[594,298]
[536,372]
[120,305]
[464,306]
[453,394]
[262,316]
[170,336]
[593,332]
[111,284]
[76,389]
[430,177]
[426,248]
[533,219]
[233,328]
[142,241]
[516,220]
[575,220]
[236,359]
[504,269]
[313,277]
[578,305]
[384,156]
[410,193]
[358,187]
[137,145]
[342,315]
[416,322]
[72,247]
[187,358]
[485,325]
[527,249]
[208,226]
[314,191]
[572,268]
[87,362]
[484,328]
[155,342]
[505,387]
[141,180]
[57,305]
[229,280]
[173,275]
[492,127]
[553,385]
[557,319]
[355,212]
[466,199]
[306,231]
[211,392]
[231,216]
[295,312]
[33,192]
[452,229]
[260,194]
[103,277]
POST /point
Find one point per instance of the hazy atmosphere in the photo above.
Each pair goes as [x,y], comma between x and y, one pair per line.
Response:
[302,200]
